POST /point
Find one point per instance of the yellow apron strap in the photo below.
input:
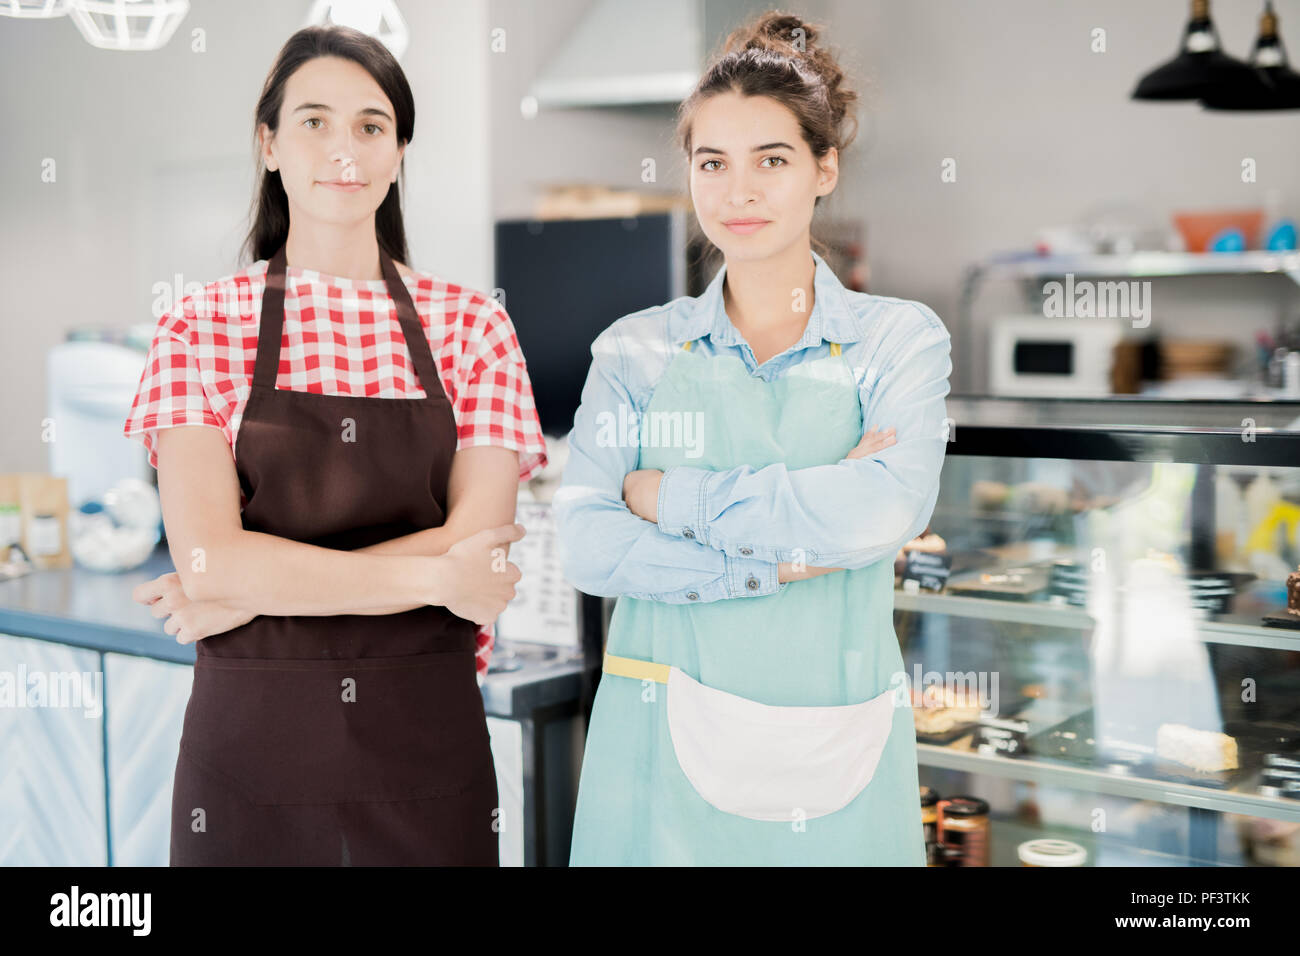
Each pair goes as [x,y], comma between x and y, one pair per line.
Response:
[636,669]
[835,347]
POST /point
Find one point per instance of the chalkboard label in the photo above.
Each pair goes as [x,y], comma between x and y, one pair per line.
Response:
[927,569]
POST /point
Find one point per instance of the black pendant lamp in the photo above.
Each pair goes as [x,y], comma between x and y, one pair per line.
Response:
[1200,67]
[1273,84]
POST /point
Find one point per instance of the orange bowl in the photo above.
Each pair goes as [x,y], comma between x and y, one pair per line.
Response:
[1198,228]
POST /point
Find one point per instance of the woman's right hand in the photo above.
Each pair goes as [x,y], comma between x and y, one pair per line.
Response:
[872,442]
[476,581]
[188,621]
[786,573]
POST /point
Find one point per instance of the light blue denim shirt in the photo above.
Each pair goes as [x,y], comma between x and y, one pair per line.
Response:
[717,530]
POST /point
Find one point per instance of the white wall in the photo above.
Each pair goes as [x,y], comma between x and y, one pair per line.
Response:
[155,172]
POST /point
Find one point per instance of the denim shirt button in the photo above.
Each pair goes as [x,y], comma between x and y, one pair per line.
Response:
[746,551]
[752,584]
[688,533]
[692,596]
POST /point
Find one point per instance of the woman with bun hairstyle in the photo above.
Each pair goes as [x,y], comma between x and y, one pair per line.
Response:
[785,441]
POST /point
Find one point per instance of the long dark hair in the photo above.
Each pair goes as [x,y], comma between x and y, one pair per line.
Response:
[270,209]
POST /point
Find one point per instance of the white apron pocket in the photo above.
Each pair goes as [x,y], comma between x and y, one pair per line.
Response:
[774,763]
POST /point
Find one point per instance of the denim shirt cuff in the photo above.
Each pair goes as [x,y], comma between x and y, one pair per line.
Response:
[751,577]
[681,493]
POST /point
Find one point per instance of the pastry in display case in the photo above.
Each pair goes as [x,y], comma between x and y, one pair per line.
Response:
[1009,583]
[1290,617]
[927,542]
[1132,587]
[942,715]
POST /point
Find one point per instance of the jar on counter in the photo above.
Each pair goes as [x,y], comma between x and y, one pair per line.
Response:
[963,824]
[1291,375]
[948,856]
[1051,852]
[930,824]
[45,534]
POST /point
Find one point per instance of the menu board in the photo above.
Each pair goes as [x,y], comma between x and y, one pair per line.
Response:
[545,608]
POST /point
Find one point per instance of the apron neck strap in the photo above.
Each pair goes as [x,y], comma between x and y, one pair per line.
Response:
[271,325]
[686,346]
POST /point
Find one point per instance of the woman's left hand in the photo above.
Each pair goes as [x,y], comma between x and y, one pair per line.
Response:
[641,492]
[187,620]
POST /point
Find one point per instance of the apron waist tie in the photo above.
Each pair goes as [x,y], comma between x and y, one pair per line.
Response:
[636,669]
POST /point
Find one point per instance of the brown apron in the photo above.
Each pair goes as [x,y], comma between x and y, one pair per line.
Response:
[350,739]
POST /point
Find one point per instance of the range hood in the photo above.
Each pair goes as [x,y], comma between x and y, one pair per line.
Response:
[626,53]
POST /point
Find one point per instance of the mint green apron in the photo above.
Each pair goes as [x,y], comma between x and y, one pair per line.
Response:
[825,642]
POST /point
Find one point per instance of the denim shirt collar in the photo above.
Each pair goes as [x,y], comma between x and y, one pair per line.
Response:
[832,318]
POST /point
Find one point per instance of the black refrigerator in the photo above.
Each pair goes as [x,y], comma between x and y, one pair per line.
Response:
[563,281]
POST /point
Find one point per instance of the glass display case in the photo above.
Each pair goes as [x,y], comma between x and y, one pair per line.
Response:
[1103,655]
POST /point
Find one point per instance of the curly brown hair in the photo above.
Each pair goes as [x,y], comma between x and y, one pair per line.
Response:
[777,55]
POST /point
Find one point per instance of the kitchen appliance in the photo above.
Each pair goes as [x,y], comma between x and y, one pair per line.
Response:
[565,280]
[90,389]
[1030,355]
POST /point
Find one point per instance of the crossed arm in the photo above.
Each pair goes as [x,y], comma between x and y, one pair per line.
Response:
[746,521]
[852,513]
[237,574]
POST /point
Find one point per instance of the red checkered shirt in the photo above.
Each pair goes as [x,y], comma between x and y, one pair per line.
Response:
[342,337]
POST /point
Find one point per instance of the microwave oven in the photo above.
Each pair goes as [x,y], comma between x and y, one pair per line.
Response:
[1036,356]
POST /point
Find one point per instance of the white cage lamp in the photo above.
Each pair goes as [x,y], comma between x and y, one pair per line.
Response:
[34,9]
[128,24]
[378,18]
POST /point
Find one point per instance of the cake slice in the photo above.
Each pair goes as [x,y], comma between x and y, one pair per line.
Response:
[1203,750]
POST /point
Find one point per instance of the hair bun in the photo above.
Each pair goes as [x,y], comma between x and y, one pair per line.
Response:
[776,31]
[777,55]
[794,38]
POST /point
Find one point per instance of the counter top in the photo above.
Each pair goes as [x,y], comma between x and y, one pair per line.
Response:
[94,610]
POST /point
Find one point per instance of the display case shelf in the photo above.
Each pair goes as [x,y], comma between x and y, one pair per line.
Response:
[1150,264]
[1104,849]
[957,756]
[1158,682]
[1029,266]
[1227,629]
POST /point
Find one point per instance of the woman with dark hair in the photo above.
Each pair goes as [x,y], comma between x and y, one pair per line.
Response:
[753,707]
[339,441]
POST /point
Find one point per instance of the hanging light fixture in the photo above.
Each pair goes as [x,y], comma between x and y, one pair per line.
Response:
[1273,85]
[33,9]
[128,24]
[1200,66]
[378,18]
